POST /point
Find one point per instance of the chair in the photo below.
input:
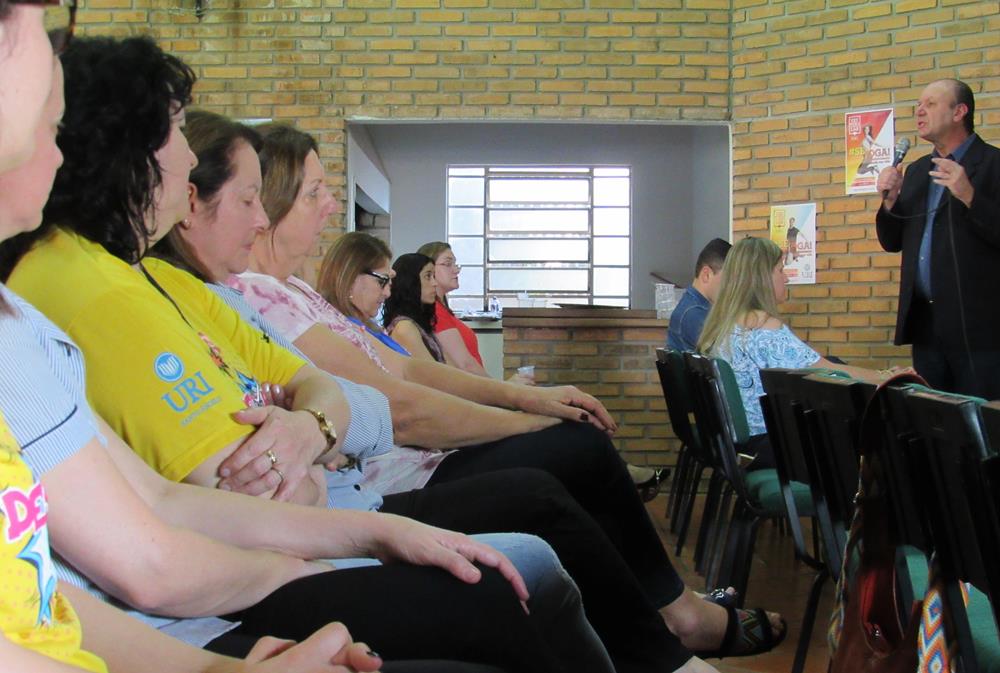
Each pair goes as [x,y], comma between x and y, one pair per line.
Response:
[810,444]
[959,504]
[691,461]
[721,422]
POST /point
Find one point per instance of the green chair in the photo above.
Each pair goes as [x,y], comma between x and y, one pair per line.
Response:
[721,422]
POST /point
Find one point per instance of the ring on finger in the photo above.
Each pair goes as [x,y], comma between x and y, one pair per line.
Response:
[281,477]
[271,457]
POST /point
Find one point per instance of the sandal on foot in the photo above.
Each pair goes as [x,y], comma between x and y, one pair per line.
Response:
[650,488]
[748,632]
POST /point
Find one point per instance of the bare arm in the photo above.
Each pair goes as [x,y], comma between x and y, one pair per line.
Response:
[457,354]
[140,559]
[294,440]
[127,644]
[409,338]
[565,402]
[305,532]
[860,373]
[417,411]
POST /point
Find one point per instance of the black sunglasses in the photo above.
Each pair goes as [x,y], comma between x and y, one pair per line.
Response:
[382,278]
[59,21]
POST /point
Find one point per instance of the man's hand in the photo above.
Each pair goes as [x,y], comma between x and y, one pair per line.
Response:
[329,650]
[399,539]
[566,402]
[951,174]
[889,182]
[277,455]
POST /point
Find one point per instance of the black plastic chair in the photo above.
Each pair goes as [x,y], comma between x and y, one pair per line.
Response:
[959,505]
[813,439]
[691,461]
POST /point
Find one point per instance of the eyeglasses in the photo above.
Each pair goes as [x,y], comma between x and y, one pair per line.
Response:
[59,20]
[383,279]
[450,265]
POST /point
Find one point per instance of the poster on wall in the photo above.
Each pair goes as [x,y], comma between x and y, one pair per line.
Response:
[793,228]
[868,144]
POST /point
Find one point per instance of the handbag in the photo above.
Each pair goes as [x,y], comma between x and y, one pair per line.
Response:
[866,634]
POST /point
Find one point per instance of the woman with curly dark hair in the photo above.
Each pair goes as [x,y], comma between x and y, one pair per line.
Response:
[408,313]
[177,375]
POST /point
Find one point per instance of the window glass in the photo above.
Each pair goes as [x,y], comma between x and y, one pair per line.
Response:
[539,220]
[559,233]
[611,221]
[539,280]
[468,250]
[611,251]
[466,191]
[539,250]
[465,221]
[610,281]
[503,190]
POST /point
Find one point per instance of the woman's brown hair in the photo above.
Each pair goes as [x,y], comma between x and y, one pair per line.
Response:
[350,256]
[282,164]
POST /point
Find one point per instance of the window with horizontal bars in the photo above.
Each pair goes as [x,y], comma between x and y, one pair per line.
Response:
[559,234]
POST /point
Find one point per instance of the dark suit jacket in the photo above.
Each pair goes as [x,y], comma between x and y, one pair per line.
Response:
[975,283]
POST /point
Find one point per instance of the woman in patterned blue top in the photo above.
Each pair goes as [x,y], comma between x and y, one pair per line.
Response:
[745,329]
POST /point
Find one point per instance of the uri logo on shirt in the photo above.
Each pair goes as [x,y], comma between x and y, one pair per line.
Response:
[168,367]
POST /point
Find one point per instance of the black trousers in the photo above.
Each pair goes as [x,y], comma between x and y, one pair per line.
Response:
[941,358]
[238,645]
[408,612]
[577,495]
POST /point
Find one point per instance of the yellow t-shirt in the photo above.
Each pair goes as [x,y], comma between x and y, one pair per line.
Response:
[165,372]
[32,613]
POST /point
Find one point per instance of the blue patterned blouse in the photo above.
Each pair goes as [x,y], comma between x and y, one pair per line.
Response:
[750,350]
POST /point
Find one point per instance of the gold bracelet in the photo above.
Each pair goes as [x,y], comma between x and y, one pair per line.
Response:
[325,426]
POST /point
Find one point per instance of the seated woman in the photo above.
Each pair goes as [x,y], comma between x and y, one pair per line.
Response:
[217,244]
[175,571]
[39,630]
[408,312]
[210,244]
[458,341]
[344,281]
[745,329]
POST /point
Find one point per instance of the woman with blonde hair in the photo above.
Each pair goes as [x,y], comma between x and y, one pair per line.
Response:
[745,329]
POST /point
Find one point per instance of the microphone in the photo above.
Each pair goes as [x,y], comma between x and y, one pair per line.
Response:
[902,147]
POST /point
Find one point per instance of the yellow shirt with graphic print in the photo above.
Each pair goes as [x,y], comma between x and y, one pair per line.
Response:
[168,363]
[33,614]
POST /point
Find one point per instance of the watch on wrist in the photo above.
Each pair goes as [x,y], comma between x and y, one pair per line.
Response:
[325,426]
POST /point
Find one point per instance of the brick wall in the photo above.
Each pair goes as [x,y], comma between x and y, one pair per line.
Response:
[783,72]
[797,67]
[613,363]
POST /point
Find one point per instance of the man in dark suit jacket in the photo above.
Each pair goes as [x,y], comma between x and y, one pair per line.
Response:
[945,218]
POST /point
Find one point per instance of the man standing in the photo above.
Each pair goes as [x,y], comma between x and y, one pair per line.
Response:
[689,316]
[945,218]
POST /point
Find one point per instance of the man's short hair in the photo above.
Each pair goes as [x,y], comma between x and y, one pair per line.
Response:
[712,255]
[963,94]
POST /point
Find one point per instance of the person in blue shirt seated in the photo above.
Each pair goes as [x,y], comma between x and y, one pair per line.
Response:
[689,317]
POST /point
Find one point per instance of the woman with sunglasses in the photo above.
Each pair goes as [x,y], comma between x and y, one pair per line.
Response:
[356,279]
[177,571]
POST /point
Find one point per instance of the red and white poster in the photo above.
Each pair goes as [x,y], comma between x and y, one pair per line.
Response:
[868,146]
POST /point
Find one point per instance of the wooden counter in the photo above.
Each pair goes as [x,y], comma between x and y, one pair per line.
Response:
[609,353]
